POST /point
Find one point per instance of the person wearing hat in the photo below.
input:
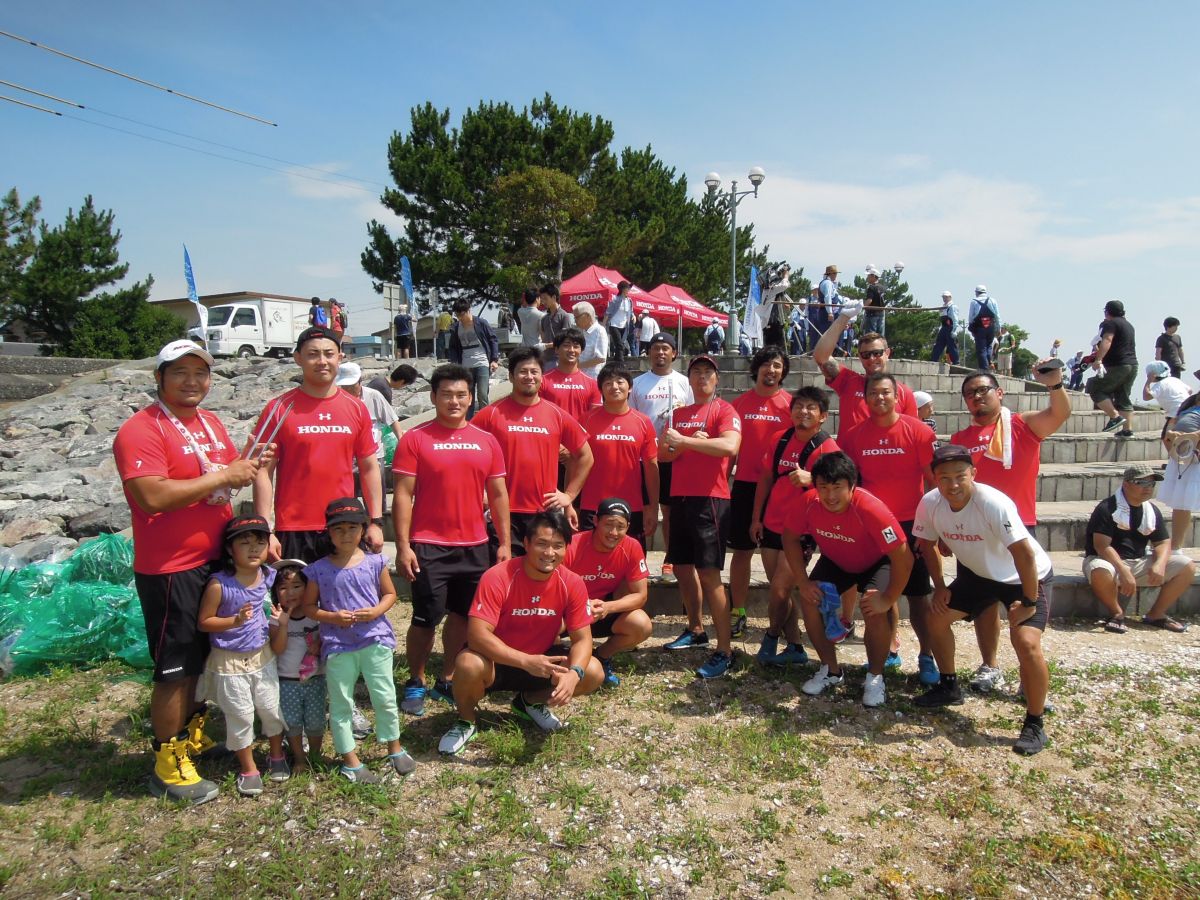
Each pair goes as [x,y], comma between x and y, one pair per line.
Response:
[349,379]
[999,562]
[612,565]
[1006,346]
[873,303]
[714,336]
[1127,547]
[647,328]
[321,432]
[701,443]
[924,401]
[1116,354]
[944,344]
[1169,347]
[337,318]
[1165,389]
[983,319]
[178,467]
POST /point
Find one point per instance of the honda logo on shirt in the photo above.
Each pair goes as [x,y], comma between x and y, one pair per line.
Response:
[324,417]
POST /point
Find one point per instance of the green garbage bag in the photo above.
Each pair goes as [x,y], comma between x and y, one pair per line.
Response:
[108,557]
[389,447]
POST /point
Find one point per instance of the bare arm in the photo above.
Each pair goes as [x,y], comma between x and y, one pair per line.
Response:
[726,443]
[210,601]
[1046,421]
[402,503]
[650,510]
[823,351]
[1102,347]
[497,492]
[634,597]
[157,494]
[578,467]
[481,637]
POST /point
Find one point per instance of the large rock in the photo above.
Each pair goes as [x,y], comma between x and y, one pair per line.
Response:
[25,529]
[51,548]
[103,520]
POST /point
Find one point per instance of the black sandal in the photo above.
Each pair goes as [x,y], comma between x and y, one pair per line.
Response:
[1115,625]
[1166,623]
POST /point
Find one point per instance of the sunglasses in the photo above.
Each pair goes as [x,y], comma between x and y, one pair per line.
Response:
[1144,482]
[871,354]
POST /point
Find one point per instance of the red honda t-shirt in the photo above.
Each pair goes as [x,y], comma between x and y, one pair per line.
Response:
[1019,482]
[891,461]
[576,393]
[529,438]
[317,445]
[854,540]
[784,495]
[451,467]
[620,444]
[764,419]
[603,572]
[852,405]
[148,445]
[697,474]
[526,614]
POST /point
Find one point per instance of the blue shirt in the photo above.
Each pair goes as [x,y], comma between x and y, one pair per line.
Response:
[979,303]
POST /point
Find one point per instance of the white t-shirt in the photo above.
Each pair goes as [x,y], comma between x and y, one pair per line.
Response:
[597,345]
[293,654]
[1169,393]
[656,395]
[619,310]
[980,533]
[382,415]
[649,329]
[530,318]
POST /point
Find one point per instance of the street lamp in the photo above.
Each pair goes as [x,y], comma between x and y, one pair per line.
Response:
[733,197]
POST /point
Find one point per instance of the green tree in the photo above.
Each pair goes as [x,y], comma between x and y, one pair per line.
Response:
[545,211]
[122,325]
[18,241]
[909,334]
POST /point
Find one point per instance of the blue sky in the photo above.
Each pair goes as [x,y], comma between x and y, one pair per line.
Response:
[1047,150]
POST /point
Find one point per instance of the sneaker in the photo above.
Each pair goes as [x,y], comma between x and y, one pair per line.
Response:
[412,701]
[928,670]
[175,777]
[278,769]
[792,655]
[874,693]
[1031,741]
[767,649]
[402,763]
[460,734]
[1114,425]
[987,679]
[941,694]
[537,713]
[668,574]
[893,662]
[816,685]
[688,639]
[442,690]
[250,785]
[738,629]
[361,775]
[718,664]
[610,677]
[1125,433]
[360,725]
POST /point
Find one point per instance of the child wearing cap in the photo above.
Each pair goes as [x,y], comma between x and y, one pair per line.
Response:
[924,403]
[241,675]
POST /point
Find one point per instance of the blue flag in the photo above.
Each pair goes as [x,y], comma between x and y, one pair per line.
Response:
[406,278]
[754,318]
[201,309]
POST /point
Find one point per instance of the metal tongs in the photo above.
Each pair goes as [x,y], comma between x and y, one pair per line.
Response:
[258,438]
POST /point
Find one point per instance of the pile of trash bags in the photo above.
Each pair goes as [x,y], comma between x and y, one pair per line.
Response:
[78,612]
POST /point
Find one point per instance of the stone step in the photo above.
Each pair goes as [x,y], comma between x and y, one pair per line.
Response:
[1062,524]
[1144,446]
[1081,481]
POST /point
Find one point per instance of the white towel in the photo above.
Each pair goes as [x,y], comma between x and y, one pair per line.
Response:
[1121,516]
[1000,447]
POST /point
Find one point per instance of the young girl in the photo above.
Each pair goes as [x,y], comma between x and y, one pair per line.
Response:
[301,675]
[348,593]
[240,674]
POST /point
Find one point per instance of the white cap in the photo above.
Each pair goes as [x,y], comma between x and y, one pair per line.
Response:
[981,288]
[177,349]
[348,373]
[947,294]
[871,270]
[921,398]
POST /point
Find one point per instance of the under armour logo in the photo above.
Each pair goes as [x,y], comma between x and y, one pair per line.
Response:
[324,417]
[526,418]
[536,598]
[599,567]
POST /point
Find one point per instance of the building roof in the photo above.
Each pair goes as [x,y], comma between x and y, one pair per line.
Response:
[233,297]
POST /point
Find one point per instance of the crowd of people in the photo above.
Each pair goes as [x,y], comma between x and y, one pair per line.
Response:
[521,525]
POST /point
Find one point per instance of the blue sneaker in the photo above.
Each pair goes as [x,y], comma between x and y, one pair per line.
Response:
[413,699]
[893,662]
[928,669]
[767,649]
[610,677]
[718,664]
[687,640]
[792,655]
[442,690]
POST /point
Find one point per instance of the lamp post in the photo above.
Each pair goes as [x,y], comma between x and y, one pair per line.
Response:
[733,196]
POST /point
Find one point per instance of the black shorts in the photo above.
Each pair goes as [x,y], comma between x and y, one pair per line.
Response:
[171,609]
[403,341]
[510,678]
[972,594]
[664,484]
[699,532]
[306,545]
[919,582]
[637,524]
[875,577]
[518,524]
[447,581]
[741,513]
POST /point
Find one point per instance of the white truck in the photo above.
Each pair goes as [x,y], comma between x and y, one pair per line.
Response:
[264,326]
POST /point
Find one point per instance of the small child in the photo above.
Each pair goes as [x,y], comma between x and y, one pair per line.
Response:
[349,593]
[240,674]
[301,675]
[924,403]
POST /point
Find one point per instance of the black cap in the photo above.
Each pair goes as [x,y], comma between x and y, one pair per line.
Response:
[613,506]
[663,338]
[315,333]
[346,509]
[951,453]
[704,358]
[243,524]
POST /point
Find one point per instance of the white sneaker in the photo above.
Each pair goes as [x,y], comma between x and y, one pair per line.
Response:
[460,734]
[874,693]
[816,685]
[987,679]
[537,713]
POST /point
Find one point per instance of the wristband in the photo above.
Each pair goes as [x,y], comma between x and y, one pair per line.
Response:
[378,520]
[1056,387]
[578,671]
[1025,601]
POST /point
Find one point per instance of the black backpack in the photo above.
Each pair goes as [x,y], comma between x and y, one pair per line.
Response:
[816,441]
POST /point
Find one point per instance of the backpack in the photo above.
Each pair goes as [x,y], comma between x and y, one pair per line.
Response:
[714,339]
[816,441]
[985,317]
[343,319]
[317,317]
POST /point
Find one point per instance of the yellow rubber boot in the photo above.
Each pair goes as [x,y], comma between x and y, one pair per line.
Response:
[174,775]
[200,745]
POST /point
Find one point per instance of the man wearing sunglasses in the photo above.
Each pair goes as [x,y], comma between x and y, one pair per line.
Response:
[874,353]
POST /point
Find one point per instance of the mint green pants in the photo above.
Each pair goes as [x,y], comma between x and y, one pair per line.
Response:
[374,664]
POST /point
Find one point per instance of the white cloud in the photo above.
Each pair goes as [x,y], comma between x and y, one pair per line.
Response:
[373,209]
[319,182]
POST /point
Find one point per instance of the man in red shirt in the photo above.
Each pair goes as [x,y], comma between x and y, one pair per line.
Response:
[178,466]
[566,385]
[613,567]
[874,353]
[701,445]
[441,540]
[764,411]
[785,478]
[520,609]
[1006,449]
[862,546]
[530,431]
[324,431]
[625,450]
[892,453]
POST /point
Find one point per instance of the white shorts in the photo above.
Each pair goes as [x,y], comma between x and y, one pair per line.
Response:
[1140,568]
[1180,491]
[242,694]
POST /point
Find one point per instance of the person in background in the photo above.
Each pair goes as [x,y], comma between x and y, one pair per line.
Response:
[617,316]
[349,379]
[1006,346]
[714,336]
[595,351]
[924,403]
[1169,346]
[1055,348]
[982,321]
[647,329]
[1077,367]
[873,303]
[818,318]
[1116,353]
[444,323]
[317,316]
[402,331]
[943,344]
[473,346]
[530,317]
[1167,390]
[401,377]
[553,323]
[337,318]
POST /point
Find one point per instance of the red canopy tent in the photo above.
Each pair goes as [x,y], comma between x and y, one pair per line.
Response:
[695,313]
[598,286]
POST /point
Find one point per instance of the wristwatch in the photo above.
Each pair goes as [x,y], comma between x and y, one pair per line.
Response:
[1055,387]
[1025,601]
[378,520]
[578,671]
